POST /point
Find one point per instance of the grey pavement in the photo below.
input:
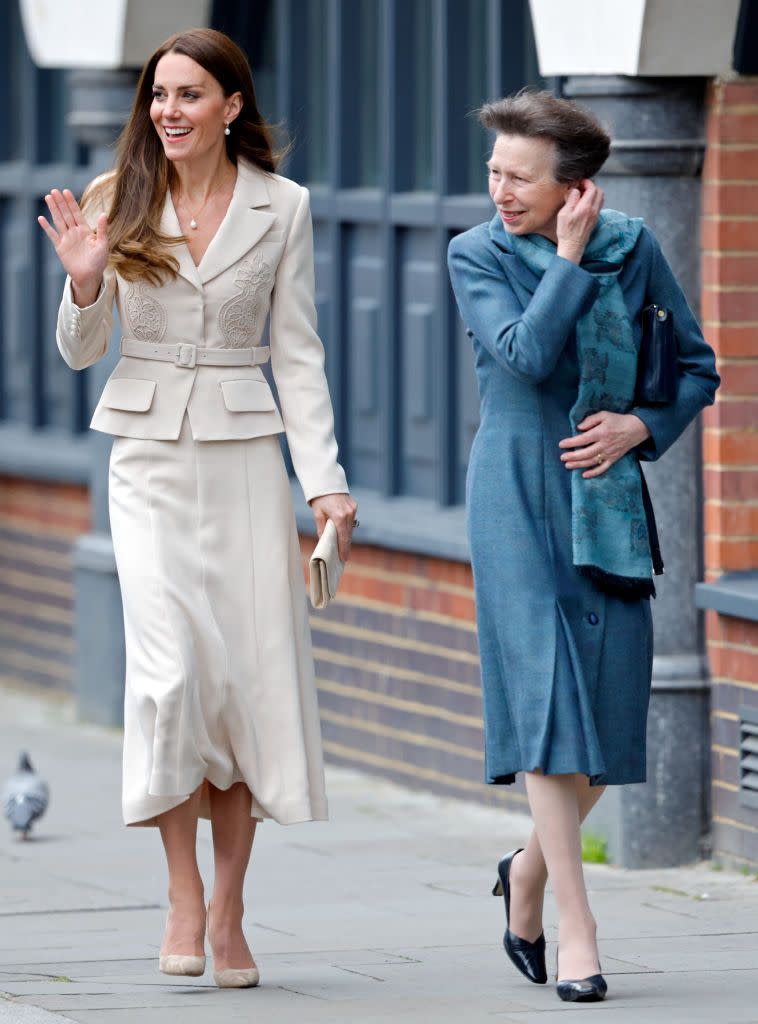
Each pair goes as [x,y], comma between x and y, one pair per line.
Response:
[382,914]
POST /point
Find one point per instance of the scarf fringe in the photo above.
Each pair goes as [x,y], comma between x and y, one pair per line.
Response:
[628,588]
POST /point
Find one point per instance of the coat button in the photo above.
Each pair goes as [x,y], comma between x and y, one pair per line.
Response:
[593,619]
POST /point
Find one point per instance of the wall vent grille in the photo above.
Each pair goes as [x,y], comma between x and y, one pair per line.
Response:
[749,757]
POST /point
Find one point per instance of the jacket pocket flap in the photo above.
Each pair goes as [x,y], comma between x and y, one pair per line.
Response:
[247,396]
[129,394]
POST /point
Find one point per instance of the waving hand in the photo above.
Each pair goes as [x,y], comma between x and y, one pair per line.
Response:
[82,251]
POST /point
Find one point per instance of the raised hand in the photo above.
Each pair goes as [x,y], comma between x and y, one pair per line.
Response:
[577,219]
[82,251]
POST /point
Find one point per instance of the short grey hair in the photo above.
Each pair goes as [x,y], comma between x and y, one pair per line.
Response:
[582,144]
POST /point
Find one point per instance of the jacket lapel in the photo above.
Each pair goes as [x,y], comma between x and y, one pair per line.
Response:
[243,226]
[511,264]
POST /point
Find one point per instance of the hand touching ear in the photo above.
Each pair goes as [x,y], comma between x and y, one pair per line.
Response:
[577,219]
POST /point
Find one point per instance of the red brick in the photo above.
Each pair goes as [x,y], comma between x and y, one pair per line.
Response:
[457,573]
[739,378]
[724,235]
[730,199]
[353,582]
[739,631]
[732,447]
[741,92]
[732,414]
[453,605]
[63,508]
[727,306]
[730,127]
[390,561]
[729,270]
[731,663]
[731,164]
[731,555]
[731,485]
[714,630]
[724,629]
[731,520]
[733,342]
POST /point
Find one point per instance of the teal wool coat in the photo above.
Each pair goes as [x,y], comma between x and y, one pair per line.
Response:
[566,669]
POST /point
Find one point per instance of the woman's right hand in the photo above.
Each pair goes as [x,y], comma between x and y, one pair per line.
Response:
[577,220]
[82,251]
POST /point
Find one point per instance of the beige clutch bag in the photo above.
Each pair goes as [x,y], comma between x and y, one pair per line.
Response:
[325,568]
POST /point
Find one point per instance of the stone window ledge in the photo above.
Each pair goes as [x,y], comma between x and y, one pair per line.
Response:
[47,454]
[415,525]
[735,595]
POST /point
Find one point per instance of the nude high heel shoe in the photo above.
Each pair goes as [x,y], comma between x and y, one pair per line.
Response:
[235,977]
[174,963]
[180,964]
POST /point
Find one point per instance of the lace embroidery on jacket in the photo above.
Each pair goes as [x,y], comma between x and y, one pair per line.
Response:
[147,317]
[238,316]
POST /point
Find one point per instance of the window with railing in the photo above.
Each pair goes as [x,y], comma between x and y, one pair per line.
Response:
[403,169]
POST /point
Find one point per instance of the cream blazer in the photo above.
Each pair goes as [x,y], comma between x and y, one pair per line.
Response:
[260,262]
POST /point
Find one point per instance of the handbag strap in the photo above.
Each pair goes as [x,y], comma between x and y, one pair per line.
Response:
[652,528]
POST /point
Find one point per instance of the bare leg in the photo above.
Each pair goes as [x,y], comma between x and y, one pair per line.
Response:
[555,810]
[185,927]
[529,873]
[233,834]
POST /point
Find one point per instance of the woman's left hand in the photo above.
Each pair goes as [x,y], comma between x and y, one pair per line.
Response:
[606,437]
[341,509]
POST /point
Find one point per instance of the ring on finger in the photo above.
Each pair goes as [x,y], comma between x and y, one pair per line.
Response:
[600,460]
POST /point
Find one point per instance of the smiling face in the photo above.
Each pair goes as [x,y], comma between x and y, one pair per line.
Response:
[189,109]
[523,187]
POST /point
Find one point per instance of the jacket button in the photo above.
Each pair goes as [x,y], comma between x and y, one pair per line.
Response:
[593,619]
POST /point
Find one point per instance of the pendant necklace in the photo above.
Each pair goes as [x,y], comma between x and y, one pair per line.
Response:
[193,220]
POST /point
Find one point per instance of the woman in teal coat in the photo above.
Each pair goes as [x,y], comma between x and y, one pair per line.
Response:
[551,291]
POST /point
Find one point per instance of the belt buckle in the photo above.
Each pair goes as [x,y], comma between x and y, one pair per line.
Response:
[186,355]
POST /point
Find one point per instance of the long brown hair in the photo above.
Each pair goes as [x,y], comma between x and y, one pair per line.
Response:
[134,193]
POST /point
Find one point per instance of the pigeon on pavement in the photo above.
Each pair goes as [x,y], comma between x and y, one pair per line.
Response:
[25,797]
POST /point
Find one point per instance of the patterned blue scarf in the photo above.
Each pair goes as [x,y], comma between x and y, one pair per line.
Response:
[609,527]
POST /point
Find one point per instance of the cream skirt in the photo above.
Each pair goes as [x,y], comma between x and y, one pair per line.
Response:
[219,673]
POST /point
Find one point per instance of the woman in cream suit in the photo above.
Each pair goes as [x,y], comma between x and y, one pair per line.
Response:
[198,241]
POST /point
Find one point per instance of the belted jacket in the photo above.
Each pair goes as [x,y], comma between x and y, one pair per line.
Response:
[258,265]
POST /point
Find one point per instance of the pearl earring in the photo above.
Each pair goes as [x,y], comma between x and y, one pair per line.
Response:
[227,130]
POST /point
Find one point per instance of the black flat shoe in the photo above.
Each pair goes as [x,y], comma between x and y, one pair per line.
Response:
[586,990]
[528,957]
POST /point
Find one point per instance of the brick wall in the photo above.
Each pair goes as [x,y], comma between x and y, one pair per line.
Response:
[730,442]
[38,524]
[398,674]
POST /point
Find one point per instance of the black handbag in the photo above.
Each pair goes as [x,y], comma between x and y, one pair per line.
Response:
[657,366]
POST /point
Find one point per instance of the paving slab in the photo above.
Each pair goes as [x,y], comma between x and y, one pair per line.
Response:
[382,914]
